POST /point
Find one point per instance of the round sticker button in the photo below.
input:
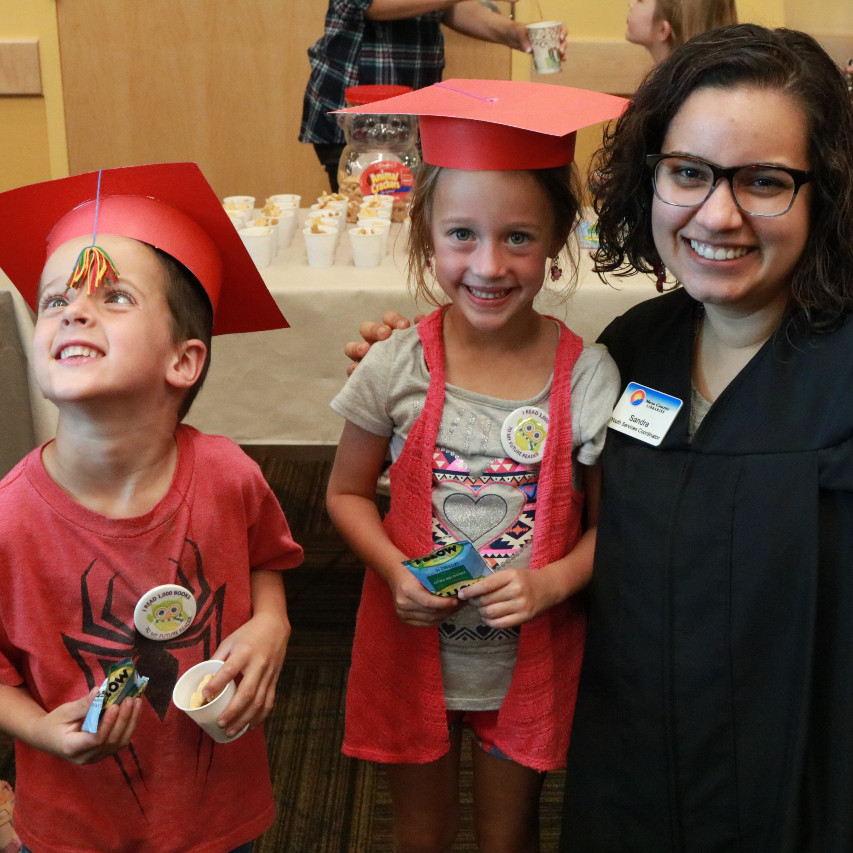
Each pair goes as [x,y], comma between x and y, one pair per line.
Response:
[164,612]
[523,434]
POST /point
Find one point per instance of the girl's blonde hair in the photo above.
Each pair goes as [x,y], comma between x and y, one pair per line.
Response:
[560,184]
[689,18]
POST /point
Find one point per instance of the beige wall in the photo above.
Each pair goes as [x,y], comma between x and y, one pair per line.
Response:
[33,142]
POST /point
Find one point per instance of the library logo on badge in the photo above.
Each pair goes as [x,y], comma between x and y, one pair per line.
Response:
[644,413]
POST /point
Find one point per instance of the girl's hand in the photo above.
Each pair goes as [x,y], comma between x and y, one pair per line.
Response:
[510,597]
[255,651]
[59,732]
[418,607]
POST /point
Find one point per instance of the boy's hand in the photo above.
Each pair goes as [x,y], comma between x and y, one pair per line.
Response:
[59,732]
[509,597]
[417,606]
[255,652]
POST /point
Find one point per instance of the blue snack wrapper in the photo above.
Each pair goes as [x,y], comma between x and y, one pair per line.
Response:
[122,682]
[447,569]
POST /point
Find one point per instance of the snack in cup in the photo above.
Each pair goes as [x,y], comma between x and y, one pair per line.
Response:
[198,699]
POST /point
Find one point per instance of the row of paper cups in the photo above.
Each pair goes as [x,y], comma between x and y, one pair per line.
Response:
[369,239]
[267,231]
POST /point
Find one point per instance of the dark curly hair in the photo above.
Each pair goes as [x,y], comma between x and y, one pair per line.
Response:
[780,60]
[560,184]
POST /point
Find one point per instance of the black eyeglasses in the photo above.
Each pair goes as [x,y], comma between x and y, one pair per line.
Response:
[758,189]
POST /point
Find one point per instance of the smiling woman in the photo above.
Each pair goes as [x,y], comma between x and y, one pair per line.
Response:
[712,712]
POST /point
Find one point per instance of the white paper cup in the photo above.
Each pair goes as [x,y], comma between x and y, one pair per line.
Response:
[384,225]
[342,206]
[287,221]
[378,198]
[366,248]
[330,212]
[322,220]
[545,38]
[285,199]
[247,201]
[273,222]
[276,209]
[320,246]
[237,217]
[238,213]
[380,210]
[260,241]
[207,715]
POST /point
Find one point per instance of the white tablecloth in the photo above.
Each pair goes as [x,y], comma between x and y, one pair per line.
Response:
[274,388]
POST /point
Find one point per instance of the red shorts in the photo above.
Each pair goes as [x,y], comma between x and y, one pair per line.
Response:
[483,724]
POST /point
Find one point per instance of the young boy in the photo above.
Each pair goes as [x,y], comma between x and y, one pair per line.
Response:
[131,535]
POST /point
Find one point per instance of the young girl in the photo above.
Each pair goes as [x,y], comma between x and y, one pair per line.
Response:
[661,26]
[492,205]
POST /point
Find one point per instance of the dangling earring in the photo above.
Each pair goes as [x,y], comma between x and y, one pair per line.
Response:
[556,272]
[660,276]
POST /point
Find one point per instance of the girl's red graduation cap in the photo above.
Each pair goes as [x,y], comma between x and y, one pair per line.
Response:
[169,205]
[500,124]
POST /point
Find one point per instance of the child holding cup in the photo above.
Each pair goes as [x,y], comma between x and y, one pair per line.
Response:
[131,535]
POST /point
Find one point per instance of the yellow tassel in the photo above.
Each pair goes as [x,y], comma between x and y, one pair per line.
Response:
[93,266]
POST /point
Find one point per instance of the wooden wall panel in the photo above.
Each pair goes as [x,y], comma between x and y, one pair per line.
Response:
[217,82]
[20,72]
[479,60]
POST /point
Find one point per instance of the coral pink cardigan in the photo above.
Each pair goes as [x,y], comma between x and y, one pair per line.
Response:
[395,699]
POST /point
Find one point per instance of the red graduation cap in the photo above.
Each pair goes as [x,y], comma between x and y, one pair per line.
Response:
[169,205]
[500,124]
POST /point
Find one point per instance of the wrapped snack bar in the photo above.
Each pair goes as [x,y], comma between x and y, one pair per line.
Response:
[122,682]
[449,568]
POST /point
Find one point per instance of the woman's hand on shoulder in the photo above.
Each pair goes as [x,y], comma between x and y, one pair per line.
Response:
[371,332]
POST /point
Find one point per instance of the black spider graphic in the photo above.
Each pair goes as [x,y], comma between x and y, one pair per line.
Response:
[113,640]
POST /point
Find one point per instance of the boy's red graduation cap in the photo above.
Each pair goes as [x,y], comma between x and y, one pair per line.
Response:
[500,124]
[169,205]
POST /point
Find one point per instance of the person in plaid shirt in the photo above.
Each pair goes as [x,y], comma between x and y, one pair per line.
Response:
[397,42]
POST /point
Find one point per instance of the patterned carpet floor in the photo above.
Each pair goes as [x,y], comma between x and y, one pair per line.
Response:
[328,803]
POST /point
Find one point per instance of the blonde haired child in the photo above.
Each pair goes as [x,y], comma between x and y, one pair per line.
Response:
[494,206]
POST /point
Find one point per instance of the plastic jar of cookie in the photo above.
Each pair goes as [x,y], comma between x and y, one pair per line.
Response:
[381,153]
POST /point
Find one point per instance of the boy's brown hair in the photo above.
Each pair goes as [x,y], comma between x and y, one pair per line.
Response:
[191,313]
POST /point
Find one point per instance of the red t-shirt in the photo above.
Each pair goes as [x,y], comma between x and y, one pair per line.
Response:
[69,581]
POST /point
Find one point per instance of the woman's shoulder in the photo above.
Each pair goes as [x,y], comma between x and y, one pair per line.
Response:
[669,316]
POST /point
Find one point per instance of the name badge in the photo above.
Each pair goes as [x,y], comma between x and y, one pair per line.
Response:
[644,413]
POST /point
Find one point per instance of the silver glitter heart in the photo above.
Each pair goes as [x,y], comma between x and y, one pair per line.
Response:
[475,517]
